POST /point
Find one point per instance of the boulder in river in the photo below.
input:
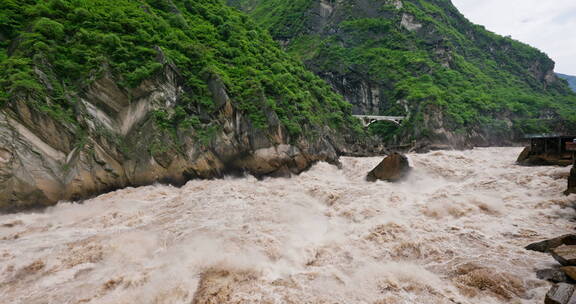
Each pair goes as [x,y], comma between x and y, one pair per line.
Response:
[560,294]
[547,245]
[523,157]
[553,275]
[393,168]
[565,255]
[528,157]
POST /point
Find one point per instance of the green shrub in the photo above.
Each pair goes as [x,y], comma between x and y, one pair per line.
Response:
[49,28]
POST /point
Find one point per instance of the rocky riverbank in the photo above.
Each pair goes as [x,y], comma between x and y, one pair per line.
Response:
[116,142]
[563,250]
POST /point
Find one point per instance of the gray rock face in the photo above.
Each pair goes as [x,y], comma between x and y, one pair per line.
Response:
[393,168]
[116,142]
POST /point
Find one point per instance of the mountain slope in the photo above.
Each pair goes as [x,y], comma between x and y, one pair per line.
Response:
[571,80]
[98,95]
[459,83]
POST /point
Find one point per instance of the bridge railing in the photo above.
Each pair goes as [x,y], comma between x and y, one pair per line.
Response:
[370,119]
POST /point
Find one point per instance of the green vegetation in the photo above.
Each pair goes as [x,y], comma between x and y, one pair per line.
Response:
[477,78]
[51,50]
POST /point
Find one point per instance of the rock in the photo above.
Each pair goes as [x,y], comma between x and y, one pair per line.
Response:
[531,158]
[547,245]
[523,157]
[559,294]
[393,168]
[553,275]
[565,255]
[571,182]
[116,142]
[570,271]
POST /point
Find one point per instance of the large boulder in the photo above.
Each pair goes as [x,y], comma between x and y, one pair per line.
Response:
[547,245]
[393,168]
[565,255]
[533,158]
[524,156]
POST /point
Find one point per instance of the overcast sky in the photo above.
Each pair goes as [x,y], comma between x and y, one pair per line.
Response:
[549,25]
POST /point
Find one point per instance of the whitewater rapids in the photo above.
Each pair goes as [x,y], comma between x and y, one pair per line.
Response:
[453,232]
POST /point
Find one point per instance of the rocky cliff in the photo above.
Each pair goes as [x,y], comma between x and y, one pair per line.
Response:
[108,94]
[458,83]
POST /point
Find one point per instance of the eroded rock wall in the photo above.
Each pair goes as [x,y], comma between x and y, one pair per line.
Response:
[115,142]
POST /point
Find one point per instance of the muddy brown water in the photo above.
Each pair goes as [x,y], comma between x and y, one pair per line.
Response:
[453,232]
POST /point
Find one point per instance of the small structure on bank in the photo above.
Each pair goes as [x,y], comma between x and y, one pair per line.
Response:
[548,150]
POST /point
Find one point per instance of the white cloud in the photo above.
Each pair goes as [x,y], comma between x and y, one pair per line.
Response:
[549,25]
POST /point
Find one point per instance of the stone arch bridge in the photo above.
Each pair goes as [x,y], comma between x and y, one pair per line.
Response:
[367,120]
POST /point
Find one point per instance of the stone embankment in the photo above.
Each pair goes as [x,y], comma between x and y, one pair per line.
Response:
[563,250]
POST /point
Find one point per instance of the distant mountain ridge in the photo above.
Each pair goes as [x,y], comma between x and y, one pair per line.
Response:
[458,83]
[571,80]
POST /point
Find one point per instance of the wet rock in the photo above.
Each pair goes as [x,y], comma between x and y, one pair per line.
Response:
[532,158]
[565,255]
[570,272]
[547,245]
[393,168]
[523,157]
[559,294]
[552,275]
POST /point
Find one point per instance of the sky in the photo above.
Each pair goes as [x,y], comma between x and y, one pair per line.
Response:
[549,25]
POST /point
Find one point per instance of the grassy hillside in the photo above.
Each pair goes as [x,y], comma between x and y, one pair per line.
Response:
[423,55]
[51,50]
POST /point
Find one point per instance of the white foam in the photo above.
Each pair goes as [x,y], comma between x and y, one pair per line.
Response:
[324,236]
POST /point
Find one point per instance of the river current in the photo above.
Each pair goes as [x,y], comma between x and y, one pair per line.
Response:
[453,232]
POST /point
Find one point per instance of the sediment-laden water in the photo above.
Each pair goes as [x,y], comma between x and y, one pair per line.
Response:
[452,233]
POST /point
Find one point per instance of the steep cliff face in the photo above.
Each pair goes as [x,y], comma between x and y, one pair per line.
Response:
[458,83]
[87,106]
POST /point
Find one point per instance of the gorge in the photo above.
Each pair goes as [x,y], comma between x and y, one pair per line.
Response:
[218,152]
[101,95]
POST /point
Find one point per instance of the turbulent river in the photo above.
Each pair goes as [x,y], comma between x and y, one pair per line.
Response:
[453,232]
